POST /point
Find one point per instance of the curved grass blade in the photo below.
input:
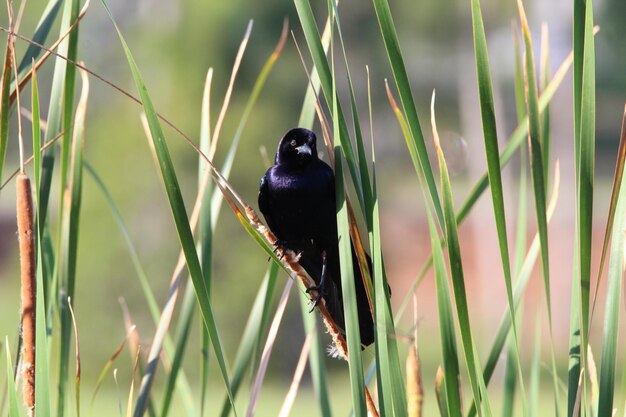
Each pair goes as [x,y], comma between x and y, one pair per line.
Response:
[612,309]
[68,250]
[617,182]
[417,146]
[317,51]
[539,180]
[513,143]
[494,170]
[458,280]
[316,354]
[391,386]
[449,351]
[346,266]
[361,158]
[179,215]
[349,292]
[520,287]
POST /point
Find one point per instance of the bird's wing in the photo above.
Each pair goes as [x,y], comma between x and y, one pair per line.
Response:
[265,207]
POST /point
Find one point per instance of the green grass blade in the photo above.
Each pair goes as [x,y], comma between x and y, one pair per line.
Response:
[205,231]
[353,335]
[492,152]
[573,371]
[349,292]
[449,352]
[536,159]
[36,133]
[458,279]
[577,329]
[515,140]
[256,326]
[361,158]
[317,50]
[179,214]
[538,180]
[612,309]
[5,93]
[544,76]
[181,338]
[70,14]
[68,251]
[42,372]
[42,31]
[510,378]
[535,374]
[391,386]
[417,145]
[586,173]
[317,354]
[14,409]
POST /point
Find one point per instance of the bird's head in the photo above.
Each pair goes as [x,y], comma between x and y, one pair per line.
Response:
[297,147]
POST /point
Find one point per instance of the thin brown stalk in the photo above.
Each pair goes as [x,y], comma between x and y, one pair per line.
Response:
[11,50]
[29,287]
[49,51]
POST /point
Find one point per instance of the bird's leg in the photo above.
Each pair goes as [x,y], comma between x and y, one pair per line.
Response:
[281,245]
[319,288]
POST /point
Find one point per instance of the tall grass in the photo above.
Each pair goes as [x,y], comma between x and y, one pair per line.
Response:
[379,383]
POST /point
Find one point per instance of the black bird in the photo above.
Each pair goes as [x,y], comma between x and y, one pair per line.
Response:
[297,199]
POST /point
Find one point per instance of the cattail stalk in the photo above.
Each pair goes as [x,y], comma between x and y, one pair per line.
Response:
[29,287]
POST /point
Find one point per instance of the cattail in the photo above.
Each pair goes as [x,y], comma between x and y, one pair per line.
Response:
[414,390]
[29,288]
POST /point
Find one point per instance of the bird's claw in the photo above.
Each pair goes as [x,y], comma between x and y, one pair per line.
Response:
[282,246]
[316,300]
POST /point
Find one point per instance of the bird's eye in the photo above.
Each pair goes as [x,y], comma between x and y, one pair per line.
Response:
[293,142]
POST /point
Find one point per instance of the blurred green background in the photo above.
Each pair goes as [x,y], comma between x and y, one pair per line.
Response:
[175,42]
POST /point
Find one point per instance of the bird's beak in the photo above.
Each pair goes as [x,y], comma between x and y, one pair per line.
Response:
[304,149]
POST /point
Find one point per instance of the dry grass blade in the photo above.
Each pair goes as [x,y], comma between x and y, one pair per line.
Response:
[297,377]
[172,295]
[129,407]
[77,346]
[267,349]
[112,359]
[617,180]
[229,91]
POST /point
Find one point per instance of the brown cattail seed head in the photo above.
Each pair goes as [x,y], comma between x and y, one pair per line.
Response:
[29,288]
